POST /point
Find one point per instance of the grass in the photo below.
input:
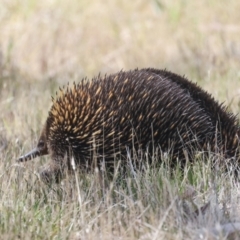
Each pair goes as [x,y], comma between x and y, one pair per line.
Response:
[44,44]
[157,203]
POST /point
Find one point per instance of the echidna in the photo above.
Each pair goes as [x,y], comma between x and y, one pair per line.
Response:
[110,115]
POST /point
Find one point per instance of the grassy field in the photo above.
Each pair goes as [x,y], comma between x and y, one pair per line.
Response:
[45,44]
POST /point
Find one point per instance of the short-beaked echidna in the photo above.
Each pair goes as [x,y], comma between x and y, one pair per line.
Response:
[109,115]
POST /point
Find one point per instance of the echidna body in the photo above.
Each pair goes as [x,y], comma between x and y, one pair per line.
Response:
[110,115]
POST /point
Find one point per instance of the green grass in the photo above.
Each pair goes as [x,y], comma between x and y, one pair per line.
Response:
[45,44]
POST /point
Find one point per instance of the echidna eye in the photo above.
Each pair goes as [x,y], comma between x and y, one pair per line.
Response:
[41,144]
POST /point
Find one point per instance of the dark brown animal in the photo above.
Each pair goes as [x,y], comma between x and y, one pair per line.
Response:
[146,108]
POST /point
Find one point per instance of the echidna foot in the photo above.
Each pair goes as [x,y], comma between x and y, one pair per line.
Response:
[51,175]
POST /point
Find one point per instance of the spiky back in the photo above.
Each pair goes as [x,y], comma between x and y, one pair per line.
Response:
[141,108]
[226,123]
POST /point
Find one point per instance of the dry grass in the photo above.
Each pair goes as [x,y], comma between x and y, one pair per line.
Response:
[47,43]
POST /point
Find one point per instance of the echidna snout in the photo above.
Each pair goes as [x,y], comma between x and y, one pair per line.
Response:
[40,150]
[50,172]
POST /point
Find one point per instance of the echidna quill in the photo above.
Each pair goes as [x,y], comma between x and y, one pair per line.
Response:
[108,116]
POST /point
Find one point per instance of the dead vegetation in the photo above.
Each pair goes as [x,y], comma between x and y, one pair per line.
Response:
[44,44]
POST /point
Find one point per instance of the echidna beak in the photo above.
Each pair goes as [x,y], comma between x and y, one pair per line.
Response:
[32,154]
